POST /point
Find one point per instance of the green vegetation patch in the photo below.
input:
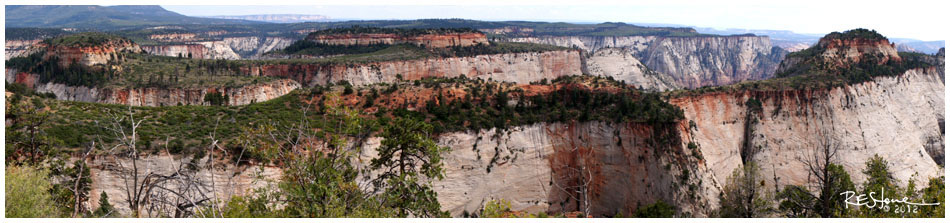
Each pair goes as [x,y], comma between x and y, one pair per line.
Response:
[383,30]
[495,48]
[307,47]
[492,105]
[85,39]
[859,33]
[140,71]
[73,124]
[812,64]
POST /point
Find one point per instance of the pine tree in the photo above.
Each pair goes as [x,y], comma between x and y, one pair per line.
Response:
[105,208]
[407,156]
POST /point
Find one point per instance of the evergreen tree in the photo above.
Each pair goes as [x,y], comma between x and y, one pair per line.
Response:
[744,195]
[105,208]
[882,183]
[934,193]
[408,158]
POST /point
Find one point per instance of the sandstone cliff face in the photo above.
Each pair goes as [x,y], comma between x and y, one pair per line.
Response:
[226,179]
[712,61]
[527,165]
[510,30]
[592,43]
[253,47]
[228,48]
[154,96]
[852,50]
[89,55]
[536,166]
[429,40]
[167,97]
[197,50]
[16,48]
[691,61]
[516,67]
[173,37]
[620,64]
[899,118]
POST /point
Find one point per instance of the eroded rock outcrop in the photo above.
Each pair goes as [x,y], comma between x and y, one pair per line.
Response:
[173,37]
[514,67]
[428,40]
[536,166]
[197,50]
[620,64]
[16,48]
[253,47]
[228,48]
[98,54]
[843,51]
[156,96]
[853,50]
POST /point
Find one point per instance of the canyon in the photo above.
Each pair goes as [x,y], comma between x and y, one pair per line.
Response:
[690,62]
[521,68]
[897,117]
[622,166]
[247,47]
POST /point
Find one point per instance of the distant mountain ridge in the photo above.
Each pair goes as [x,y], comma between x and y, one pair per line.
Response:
[100,17]
[277,18]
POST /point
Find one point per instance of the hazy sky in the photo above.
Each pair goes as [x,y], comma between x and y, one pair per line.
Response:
[910,20]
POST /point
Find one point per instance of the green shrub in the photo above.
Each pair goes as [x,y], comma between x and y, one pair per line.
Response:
[308,47]
[496,209]
[216,99]
[28,193]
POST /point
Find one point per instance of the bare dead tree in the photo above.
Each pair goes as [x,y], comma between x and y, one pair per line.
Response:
[179,193]
[211,148]
[820,176]
[573,169]
[77,192]
[125,130]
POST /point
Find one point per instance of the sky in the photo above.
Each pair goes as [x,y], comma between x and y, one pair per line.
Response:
[893,20]
[917,19]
